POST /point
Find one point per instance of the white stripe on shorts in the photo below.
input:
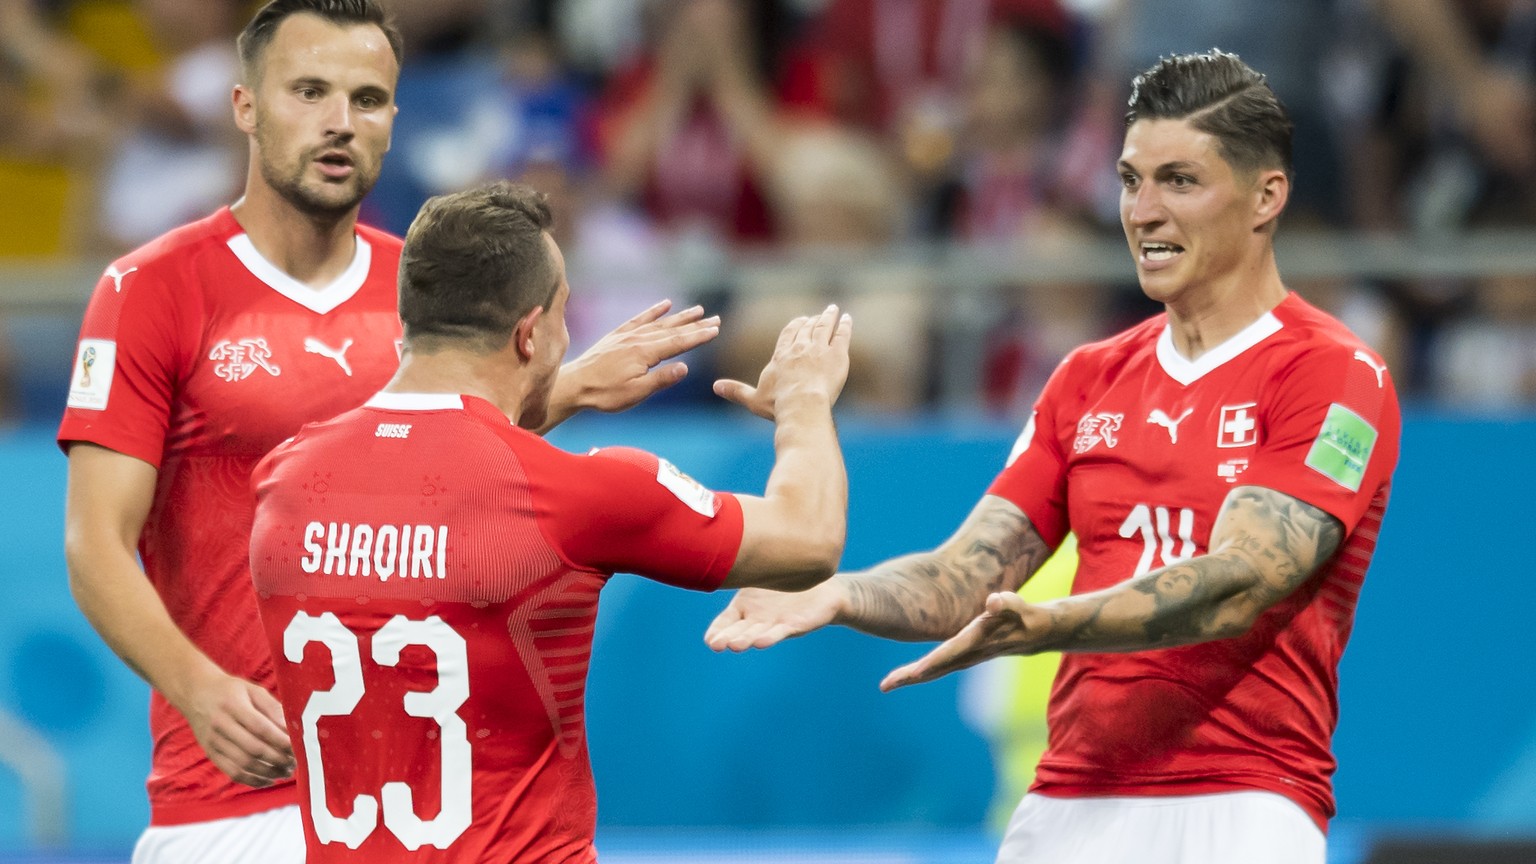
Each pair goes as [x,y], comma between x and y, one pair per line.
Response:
[268,837]
[1251,826]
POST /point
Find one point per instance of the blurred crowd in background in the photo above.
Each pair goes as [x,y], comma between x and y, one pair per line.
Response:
[679,138]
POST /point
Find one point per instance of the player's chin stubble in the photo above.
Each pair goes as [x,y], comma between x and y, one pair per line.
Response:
[318,199]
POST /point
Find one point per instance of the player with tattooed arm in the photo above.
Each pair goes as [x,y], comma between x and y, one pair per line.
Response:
[1225,467]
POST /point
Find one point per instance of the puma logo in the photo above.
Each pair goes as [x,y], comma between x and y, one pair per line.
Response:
[315,346]
[1370,361]
[1157,416]
[117,277]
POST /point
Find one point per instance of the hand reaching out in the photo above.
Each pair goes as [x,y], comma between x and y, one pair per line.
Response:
[997,631]
[628,365]
[811,359]
[759,618]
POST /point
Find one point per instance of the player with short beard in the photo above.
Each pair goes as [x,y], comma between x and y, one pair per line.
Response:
[206,347]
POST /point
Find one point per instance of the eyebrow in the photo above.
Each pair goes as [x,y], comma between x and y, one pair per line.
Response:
[1165,168]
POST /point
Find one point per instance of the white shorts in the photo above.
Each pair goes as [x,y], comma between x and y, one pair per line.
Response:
[268,837]
[1251,827]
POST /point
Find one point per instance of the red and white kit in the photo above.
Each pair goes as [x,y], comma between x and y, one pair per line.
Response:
[1133,448]
[428,576]
[198,356]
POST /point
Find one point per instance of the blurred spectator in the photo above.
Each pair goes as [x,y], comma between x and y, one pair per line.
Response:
[177,155]
[474,114]
[841,202]
[1444,145]
[52,127]
[433,28]
[1008,188]
[897,66]
[691,128]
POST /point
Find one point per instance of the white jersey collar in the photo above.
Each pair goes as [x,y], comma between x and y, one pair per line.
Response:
[320,301]
[390,401]
[1187,371]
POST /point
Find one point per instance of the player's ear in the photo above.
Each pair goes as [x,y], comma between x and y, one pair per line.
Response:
[244,102]
[1271,192]
[523,332]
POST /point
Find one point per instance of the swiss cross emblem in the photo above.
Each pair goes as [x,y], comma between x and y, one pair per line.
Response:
[236,360]
[1238,427]
[1094,428]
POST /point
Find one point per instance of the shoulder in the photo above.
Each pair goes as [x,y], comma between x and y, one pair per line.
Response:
[383,242]
[1096,359]
[166,259]
[1316,339]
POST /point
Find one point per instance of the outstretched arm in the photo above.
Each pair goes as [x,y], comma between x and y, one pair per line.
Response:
[924,596]
[1264,545]
[792,537]
[628,365]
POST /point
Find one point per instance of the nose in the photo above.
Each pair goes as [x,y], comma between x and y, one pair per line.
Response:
[338,116]
[1142,206]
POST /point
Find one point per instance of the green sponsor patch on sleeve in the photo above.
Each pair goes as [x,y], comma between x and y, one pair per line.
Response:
[1343,447]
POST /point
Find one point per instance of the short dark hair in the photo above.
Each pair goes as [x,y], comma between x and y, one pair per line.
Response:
[473,264]
[257,35]
[1221,96]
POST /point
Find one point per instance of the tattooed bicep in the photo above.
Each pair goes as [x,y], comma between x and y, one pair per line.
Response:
[998,542]
[1287,537]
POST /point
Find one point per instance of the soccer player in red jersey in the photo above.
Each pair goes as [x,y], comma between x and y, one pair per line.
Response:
[207,347]
[1224,466]
[429,572]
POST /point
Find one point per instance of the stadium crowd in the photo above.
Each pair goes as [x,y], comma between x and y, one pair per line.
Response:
[679,138]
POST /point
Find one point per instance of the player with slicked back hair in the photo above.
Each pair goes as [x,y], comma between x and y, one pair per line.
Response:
[1224,466]
[431,612]
[202,350]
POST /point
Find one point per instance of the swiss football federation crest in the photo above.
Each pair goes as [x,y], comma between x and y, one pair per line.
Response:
[1238,427]
[237,360]
[1094,428]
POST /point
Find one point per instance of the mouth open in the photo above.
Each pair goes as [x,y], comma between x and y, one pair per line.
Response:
[1160,252]
[335,164]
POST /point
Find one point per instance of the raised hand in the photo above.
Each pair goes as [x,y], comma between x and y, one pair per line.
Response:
[997,631]
[810,359]
[240,727]
[759,618]
[628,365]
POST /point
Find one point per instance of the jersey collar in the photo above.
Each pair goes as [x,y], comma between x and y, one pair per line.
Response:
[320,301]
[391,401]
[1187,371]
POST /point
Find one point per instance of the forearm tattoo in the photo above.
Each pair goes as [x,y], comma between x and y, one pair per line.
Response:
[1265,545]
[931,595]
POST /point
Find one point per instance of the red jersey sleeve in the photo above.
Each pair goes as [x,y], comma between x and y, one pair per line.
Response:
[1035,477]
[1331,433]
[626,511]
[124,377]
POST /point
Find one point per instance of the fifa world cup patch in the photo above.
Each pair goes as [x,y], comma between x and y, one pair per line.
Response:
[688,490]
[1343,447]
[91,382]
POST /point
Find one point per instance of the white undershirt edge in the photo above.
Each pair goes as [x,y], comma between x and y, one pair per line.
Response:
[1187,371]
[322,300]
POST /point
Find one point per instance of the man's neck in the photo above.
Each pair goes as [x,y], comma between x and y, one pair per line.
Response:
[314,251]
[1202,322]
[464,372]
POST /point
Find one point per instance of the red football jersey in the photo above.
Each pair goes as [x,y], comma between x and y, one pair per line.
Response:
[198,356]
[428,575]
[1133,448]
